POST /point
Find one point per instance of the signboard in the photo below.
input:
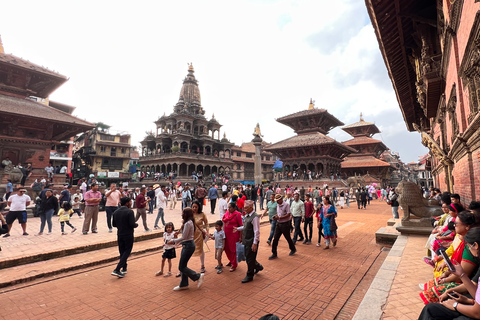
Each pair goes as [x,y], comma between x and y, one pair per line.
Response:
[102,174]
[114,174]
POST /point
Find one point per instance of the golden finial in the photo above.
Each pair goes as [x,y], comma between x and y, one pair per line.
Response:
[190,67]
[224,135]
[213,115]
[1,46]
[361,116]
[311,105]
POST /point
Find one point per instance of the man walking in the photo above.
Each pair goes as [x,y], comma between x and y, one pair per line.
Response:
[18,210]
[161,204]
[141,203]
[297,209]
[113,200]
[251,237]
[200,194]
[92,200]
[283,218]
[186,196]
[308,221]
[212,196]
[124,221]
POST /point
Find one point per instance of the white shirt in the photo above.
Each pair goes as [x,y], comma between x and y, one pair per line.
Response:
[63,169]
[161,200]
[256,228]
[222,207]
[18,203]
[224,188]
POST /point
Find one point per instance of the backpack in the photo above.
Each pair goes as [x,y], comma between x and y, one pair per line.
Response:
[37,186]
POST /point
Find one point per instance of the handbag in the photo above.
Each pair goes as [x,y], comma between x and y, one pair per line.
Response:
[333,224]
[240,252]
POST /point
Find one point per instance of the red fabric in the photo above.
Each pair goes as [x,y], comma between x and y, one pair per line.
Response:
[309,209]
[139,201]
[230,221]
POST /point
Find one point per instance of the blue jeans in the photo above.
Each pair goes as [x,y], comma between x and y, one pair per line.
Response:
[110,211]
[273,224]
[187,251]
[261,203]
[150,205]
[297,221]
[46,216]
[395,212]
[160,214]
[186,203]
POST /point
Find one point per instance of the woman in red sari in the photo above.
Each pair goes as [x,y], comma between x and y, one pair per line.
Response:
[231,219]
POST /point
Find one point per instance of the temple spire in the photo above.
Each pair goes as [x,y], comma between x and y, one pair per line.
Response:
[311,105]
[190,68]
[1,45]
[361,116]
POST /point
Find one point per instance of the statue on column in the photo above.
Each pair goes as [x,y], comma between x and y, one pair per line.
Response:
[257,131]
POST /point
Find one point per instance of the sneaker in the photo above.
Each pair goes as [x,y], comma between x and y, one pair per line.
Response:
[178,288]
[156,227]
[219,271]
[273,256]
[49,233]
[168,274]
[200,280]
[25,234]
[84,233]
[64,233]
[110,230]
[319,245]
[421,286]
[39,234]
[117,274]
[147,230]
[124,271]
[74,229]
[159,273]
[292,252]
[304,241]
[95,231]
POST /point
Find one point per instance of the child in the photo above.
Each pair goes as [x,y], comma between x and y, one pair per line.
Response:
[168,249]
[64,214]
[219,237]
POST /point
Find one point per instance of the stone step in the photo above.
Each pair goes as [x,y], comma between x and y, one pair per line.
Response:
[387,235]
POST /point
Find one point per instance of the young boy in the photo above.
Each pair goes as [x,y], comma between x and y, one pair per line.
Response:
[219,237]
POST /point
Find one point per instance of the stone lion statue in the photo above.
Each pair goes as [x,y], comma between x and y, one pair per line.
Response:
[15,175]
[412,202]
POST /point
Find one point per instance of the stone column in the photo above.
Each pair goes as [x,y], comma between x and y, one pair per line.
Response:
[257,142]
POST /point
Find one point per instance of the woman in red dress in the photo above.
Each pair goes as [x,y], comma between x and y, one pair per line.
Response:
[231,219]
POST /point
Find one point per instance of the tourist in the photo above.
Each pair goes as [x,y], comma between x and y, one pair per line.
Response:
[8,189]
[92,200]
[461,255]
[272,211]
[261,194]
[200,194]
[363,199]
[328,215]
[254,197]
[283,217]
[223,204]
[231,220]
[250,239]
[297,208]
[113,200]
[219,237]
[188,229]
[334,196]
[172,197]
[151,197]
[319,223]
[212,197]
[124,221]
[141,203]
[48,207]
[77,199]
[6,162]
[83,186]
[64,213]
[186,196]
[49,169]
[308,221]
[161,204]
[342,199]
[18,210]
[393,201]
[201,232]
[453,304]
[168,249]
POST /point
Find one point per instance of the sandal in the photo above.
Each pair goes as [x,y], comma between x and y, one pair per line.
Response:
[326,248]
[232,269]
[168,274]
[202,270]
[159,273]
[178,275]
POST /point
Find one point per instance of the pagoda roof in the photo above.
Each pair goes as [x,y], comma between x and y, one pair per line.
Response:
[41,81]
[308,140]
[364,162]
[361,128]
[28,108]
[363,140]
[311,120]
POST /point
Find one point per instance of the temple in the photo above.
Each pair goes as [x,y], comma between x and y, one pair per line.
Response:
[311,149]
[31,127]
[367,160]
[186,141]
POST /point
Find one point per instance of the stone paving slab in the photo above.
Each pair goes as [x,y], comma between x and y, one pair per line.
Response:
[313,284]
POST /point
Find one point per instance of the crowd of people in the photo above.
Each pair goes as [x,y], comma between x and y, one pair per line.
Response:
[452,252]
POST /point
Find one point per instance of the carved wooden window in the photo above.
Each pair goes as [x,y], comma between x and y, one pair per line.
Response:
[473,83]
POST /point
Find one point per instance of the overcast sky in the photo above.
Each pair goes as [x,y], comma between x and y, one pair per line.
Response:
[255,61]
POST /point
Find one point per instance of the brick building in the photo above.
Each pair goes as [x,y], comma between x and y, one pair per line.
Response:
[432,54]
[243,162]
[31,126]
